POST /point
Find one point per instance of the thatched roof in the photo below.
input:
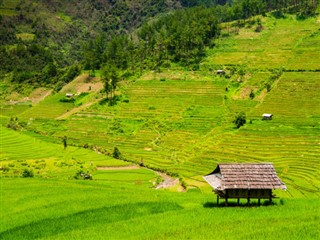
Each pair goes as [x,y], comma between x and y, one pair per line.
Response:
[244,176]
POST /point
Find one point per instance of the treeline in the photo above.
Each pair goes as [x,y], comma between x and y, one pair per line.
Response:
[33,64]
[157,44]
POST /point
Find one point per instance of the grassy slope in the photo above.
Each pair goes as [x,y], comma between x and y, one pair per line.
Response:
[110,210]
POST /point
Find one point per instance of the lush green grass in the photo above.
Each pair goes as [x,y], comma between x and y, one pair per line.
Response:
[53,209]
[139,177]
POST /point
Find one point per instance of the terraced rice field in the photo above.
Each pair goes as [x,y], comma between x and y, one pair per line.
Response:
[185,126]
[50,107]
[19,151]
[283,43]
[294,101]
[152,114]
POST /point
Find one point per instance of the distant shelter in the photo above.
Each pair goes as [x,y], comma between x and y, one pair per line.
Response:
[267,116]
[244,180]
[69,95]
[220,72]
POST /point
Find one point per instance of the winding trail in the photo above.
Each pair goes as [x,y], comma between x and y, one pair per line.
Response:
[167,181]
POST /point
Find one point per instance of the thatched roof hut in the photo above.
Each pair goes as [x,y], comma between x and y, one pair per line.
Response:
[244,180]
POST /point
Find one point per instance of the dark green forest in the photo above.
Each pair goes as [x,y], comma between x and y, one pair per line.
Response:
[50,42]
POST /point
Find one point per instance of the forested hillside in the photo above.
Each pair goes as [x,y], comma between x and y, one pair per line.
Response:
[50,42]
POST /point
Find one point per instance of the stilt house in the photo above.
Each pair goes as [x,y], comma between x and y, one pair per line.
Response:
[244,180]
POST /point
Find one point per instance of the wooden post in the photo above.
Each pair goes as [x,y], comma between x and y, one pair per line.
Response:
[248,201]
[226,201]
[259,202]
[218,200]
[238,201]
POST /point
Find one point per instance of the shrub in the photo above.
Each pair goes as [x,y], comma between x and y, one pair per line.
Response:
[27,173]
[81,175]
[252,95]
[116,153]
[5,168]
[240,120]
[65,99]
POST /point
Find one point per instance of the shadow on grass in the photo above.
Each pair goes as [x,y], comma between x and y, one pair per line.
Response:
[44,228]
[242,204]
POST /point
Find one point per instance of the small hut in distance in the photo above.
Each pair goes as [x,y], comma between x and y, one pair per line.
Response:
[220,72]
[267,116]
[244,180]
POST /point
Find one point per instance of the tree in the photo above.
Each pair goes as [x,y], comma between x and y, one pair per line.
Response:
[64,140]
[240,120]
[111,78]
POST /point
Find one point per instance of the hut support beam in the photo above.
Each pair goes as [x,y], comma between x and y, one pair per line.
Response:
[226,201]
[217,200]
[259,202]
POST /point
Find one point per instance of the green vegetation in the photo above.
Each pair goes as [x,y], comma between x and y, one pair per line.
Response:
[85,137]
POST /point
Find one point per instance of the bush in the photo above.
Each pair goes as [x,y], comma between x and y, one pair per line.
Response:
[81,175]
[240,120]
[27,173]
[116,153]
[66,99]
[252,95]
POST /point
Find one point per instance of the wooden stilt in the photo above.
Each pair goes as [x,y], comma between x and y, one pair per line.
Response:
[238,201]
[217,200]
[259,202]
[226,201]
[248,203]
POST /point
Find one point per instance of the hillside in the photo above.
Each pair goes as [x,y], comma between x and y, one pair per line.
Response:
[177,118]
[181,121]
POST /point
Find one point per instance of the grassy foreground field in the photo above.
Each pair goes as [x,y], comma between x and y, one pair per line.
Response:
[54,209]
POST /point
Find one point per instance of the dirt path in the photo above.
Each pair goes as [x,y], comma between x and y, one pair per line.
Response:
[77,109]
[167,181]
